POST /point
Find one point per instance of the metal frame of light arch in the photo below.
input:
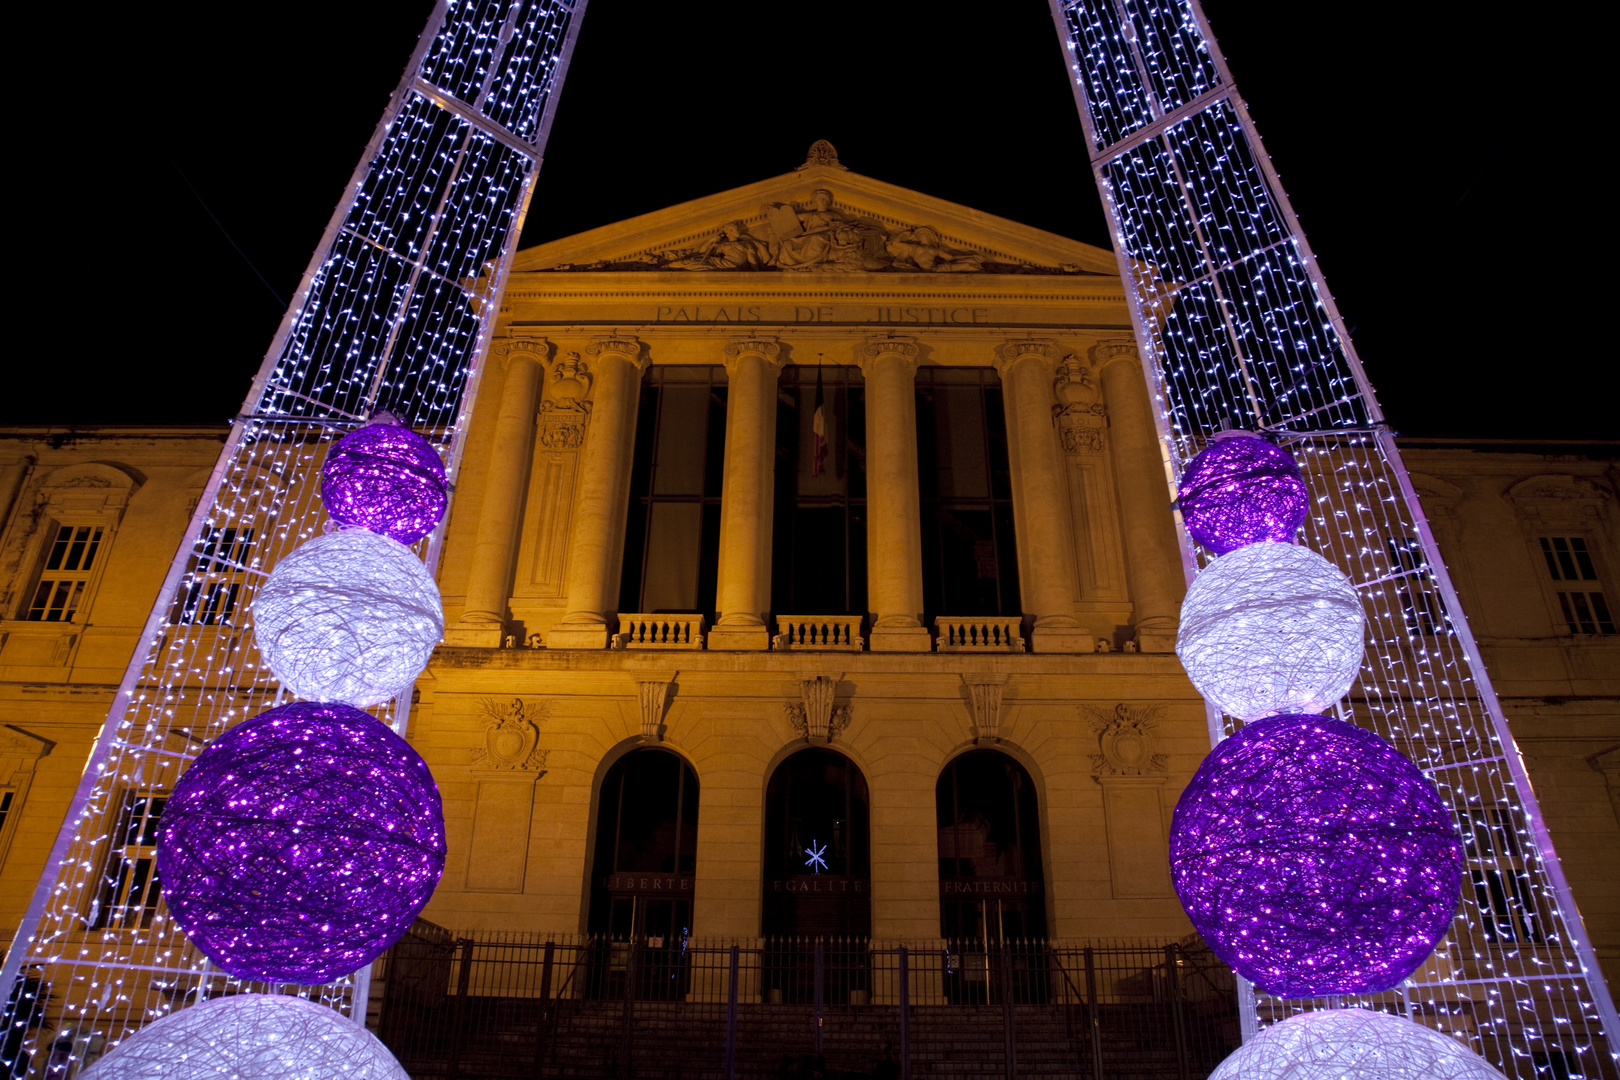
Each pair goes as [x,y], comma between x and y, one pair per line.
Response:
[1124,58]
[420,244]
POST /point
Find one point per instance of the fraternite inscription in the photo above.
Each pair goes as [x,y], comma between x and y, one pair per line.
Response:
[825,313]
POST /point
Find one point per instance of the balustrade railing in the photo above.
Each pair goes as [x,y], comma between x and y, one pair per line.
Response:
[978,635]
[827,632]
[661,631]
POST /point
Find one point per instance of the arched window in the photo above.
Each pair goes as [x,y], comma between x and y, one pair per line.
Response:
[991,887]
[817,848]
[646,845]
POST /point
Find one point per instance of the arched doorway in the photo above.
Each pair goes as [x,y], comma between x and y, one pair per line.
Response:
[990,882]
[643,871]
[818,865]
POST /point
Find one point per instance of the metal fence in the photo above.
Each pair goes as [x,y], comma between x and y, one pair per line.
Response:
[509,1006]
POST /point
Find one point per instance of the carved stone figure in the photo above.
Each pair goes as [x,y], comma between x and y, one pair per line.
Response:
[821,238]
[921,248]
[733,249]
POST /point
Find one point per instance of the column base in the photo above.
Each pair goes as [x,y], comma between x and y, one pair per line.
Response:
[577,636]
[900,639]
[1066,640]
[475,635]
[1156,641]
[738,639]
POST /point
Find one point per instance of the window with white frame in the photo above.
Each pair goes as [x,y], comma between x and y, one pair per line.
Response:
[129,890]
[1580,595]
[69,562]
[209,596]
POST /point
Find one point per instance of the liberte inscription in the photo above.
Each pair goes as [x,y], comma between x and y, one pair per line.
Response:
[754,313]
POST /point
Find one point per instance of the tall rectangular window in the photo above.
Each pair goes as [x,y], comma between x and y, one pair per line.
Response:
[216,581]
[818,546]
[1580,596]
[129,893]
[62,582]
[970,558]
[1419,604]
[672,543]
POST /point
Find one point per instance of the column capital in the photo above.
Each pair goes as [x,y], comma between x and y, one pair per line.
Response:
[766,348]
[625,346]
[530,348]
[1107,353]
[1010,352]
[903,348]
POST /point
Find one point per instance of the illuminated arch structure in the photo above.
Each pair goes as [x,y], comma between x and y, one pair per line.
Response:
[394,313]
[1238,330]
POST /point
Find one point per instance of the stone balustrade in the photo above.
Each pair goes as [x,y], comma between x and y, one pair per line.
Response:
[830,632]
[640,631]
[978,635]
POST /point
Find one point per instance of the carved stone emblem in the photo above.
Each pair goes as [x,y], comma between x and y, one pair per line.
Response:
[821,152]
[1127,738]
[816,717]
[511,735]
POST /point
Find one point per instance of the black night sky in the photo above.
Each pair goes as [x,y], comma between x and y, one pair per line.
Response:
[182,190]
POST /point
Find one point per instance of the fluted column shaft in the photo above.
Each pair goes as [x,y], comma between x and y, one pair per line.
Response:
[601,496]
[489,578]
[894,590]
[743,588]
[1040,498]
[1152,558]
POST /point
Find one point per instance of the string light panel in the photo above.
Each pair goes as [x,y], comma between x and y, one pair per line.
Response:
[1238,332]
[394,314]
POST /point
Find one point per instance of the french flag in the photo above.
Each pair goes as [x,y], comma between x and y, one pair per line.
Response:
[818,425]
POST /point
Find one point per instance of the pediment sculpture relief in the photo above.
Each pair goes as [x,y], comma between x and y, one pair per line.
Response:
[816,236]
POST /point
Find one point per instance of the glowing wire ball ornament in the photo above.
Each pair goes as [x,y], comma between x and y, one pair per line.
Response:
[301,844]
[386,478]
[1271,628]
[350,616]
[250,1037]
[1242,490]
[1353,1044]
[1315,858]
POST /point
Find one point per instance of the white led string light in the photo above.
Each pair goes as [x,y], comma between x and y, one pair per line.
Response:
[1239,331]
[394,313]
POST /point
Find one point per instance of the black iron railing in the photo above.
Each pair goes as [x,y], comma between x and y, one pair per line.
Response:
[490,1005]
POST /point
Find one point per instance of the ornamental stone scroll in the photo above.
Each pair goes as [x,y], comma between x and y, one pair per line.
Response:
[816,717]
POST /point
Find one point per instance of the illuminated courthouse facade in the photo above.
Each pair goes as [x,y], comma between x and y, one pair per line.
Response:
[811,571]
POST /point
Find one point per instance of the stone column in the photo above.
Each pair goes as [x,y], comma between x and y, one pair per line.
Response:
[1046,571]
[1152,556]
[743,589]
[489,578]
[894,589]
[601,496]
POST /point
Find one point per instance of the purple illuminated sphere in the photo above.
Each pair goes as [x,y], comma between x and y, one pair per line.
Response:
[301,844]
[1315,858]
[386,478]
[1242,490]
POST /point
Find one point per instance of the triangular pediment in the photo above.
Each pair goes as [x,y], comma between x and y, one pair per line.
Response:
[782,225]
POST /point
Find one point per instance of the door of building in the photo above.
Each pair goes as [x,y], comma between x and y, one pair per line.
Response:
[643,876]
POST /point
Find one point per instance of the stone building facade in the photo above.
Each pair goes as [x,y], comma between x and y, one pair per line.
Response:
[810,571]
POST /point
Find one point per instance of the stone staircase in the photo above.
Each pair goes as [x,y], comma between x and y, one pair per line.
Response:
[686,1041]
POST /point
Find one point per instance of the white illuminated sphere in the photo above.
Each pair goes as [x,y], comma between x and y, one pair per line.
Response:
[1271,628]
[351,616]
[250,1037]
[1353,1044]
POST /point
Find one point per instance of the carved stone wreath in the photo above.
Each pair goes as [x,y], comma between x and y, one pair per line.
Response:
[1127,738]
[511,735]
